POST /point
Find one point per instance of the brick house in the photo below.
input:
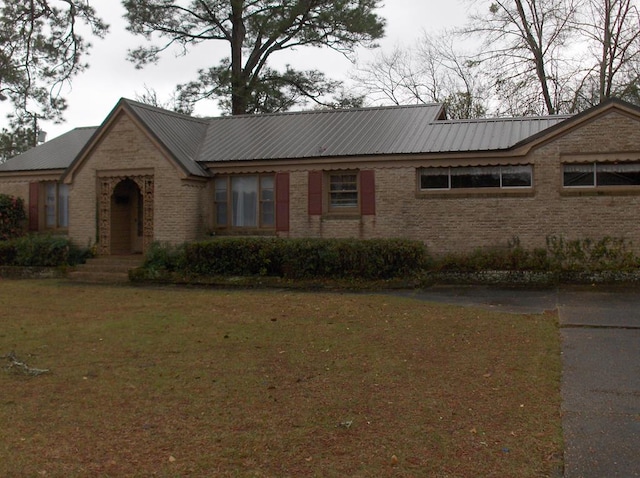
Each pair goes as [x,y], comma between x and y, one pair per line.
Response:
[147,174]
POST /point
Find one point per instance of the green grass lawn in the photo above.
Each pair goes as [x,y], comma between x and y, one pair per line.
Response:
[176,382]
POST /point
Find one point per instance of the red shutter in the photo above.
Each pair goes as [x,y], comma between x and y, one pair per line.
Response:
[368,193]
[33,206]
[315,193]
[282,201]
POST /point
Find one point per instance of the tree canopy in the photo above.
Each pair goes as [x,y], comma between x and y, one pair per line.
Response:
[255,30]
[41,49]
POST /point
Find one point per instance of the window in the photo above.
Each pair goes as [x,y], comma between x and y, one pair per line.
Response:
[600,174]
[56,205]
[343,191]
[510,176]
[246,201]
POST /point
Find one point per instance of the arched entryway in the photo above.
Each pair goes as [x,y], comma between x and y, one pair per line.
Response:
[127,218]
[125,214]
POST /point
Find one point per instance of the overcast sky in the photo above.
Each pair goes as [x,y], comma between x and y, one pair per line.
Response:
[110,76]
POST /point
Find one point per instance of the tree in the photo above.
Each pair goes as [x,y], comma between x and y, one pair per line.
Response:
[522,41]
[255,30]
[612,30]
[41,49]
[15,141]
[432,72]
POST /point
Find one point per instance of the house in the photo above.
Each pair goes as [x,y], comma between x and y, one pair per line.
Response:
[147,174]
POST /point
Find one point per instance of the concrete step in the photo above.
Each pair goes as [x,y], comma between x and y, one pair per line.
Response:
[106,269]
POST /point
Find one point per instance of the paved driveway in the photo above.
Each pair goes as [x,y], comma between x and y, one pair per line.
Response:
[601,368]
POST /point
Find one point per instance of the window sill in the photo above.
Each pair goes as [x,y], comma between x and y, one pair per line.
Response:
[341,216]
[475,193]
[600,191]
[243,232]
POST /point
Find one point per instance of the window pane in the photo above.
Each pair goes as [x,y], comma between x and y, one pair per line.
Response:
[516,176]
[267,208]
[618,174]
[578,175]
[479,177]
[343,190]
[50,204]
[221,201]
[434,178]
[63,205]
[244,191]
[268,215]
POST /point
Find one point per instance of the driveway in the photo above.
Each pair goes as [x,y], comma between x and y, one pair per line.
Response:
[600,331]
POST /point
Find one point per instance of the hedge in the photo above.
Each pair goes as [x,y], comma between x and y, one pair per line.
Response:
[373,259]
[41,251]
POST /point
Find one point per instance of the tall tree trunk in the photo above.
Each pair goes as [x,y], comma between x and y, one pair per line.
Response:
[606,51]
[238,81]
[536,49]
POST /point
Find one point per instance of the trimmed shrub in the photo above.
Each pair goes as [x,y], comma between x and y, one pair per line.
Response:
[12,217]
[41,251]
[297,258]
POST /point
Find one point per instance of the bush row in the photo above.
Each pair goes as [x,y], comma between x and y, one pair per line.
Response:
[380,258]
[41,251]
[560,254]
[292,258]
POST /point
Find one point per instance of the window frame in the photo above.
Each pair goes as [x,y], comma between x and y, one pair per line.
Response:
[490,170]
[59,214]
[261,202]
[339,210]
[596,183]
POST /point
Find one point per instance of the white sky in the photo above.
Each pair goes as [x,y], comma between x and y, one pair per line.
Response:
[94,93]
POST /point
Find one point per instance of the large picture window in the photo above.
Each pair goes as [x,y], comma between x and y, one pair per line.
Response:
[56,205]
[245,201]
[477,177]
[600,174]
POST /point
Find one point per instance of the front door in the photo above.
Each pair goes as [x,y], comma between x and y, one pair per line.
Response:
[126,218]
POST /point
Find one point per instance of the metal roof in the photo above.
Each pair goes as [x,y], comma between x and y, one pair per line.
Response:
[323,133]
[55,154]
[182,135]
[299,135]
[361,132]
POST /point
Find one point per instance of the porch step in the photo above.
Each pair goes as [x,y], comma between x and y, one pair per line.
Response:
[106,269]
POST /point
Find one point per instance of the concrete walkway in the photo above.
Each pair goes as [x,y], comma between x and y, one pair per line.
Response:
[601,368]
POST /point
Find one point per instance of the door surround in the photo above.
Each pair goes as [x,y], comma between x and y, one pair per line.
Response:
[107,185]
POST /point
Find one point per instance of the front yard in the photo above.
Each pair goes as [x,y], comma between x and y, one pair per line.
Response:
[178,382]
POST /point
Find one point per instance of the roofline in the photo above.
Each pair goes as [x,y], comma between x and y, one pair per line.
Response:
[564,126]
[124,105]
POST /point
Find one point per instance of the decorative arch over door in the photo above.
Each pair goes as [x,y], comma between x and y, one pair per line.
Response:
[107,187]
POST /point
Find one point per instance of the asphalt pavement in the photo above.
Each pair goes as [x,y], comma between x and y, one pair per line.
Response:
[600,330]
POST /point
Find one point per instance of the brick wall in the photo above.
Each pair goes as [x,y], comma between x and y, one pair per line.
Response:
[126,150]
[462,222]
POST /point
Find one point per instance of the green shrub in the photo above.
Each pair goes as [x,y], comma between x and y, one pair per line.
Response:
[41,251]
[298,258]
[12,217]
[164,256]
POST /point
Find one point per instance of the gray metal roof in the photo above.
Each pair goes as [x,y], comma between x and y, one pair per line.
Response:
[323,133]
[182,135]
[299,135]
[361,132]
[55,154]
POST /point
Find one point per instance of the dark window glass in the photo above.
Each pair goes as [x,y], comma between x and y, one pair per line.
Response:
[434,178]
[575,175]
[618,174]
[480,177]
[343,191]
[516,176]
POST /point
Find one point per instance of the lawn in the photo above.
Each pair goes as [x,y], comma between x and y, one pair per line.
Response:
[175,382]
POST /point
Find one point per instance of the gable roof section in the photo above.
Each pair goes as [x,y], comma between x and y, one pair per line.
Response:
[178,135]
[55,154]
[578,119]
[361,132]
